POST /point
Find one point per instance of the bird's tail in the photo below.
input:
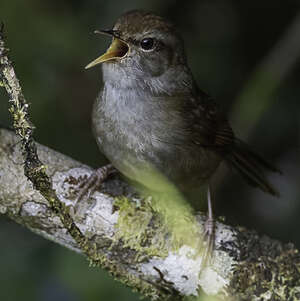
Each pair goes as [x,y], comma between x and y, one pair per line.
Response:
[251,166]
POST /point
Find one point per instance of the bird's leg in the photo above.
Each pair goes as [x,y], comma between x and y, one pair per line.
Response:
[94,181]
[209,230]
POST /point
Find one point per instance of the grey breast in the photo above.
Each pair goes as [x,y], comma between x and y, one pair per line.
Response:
[139,135]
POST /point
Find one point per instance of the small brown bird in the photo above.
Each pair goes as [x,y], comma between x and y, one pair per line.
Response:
[150,113]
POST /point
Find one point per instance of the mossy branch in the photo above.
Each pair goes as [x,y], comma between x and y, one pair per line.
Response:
[125,235]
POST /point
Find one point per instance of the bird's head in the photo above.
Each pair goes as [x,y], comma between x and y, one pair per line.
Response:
[144,45]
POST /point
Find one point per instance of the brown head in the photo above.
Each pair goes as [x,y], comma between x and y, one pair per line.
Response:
[139,22]
[146,52]
[143,34]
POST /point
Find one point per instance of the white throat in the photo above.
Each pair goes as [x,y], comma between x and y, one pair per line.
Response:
[171,83]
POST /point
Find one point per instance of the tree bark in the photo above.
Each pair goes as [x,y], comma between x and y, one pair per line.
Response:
[244,266]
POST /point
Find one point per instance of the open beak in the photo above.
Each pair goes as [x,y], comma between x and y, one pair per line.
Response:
[117,50]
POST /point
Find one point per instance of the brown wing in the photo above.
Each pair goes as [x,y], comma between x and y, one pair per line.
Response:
[209,125]
[211,129]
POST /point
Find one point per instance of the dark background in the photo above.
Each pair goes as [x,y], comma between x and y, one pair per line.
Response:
[230,47]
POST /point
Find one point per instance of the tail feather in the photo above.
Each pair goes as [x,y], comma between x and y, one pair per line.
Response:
[251,166]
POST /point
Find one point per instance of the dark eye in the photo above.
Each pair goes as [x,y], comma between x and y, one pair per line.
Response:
[147,43]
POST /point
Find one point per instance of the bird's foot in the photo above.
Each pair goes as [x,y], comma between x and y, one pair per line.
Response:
[209,239]
[209,233]
[90,185]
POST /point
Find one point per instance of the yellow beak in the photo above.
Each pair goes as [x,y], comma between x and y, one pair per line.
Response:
[117,50]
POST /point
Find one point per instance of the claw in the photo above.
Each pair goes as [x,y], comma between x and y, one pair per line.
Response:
[89,186]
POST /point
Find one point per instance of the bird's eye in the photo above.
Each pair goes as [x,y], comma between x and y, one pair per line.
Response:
[147,44]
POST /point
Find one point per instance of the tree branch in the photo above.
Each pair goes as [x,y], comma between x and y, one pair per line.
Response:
[124,234]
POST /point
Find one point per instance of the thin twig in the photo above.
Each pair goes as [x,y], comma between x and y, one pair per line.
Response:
[34,169]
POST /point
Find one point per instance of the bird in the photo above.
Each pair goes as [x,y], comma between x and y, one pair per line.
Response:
[151,115]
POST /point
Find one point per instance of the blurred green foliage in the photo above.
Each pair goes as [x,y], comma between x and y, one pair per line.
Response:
[52,41]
